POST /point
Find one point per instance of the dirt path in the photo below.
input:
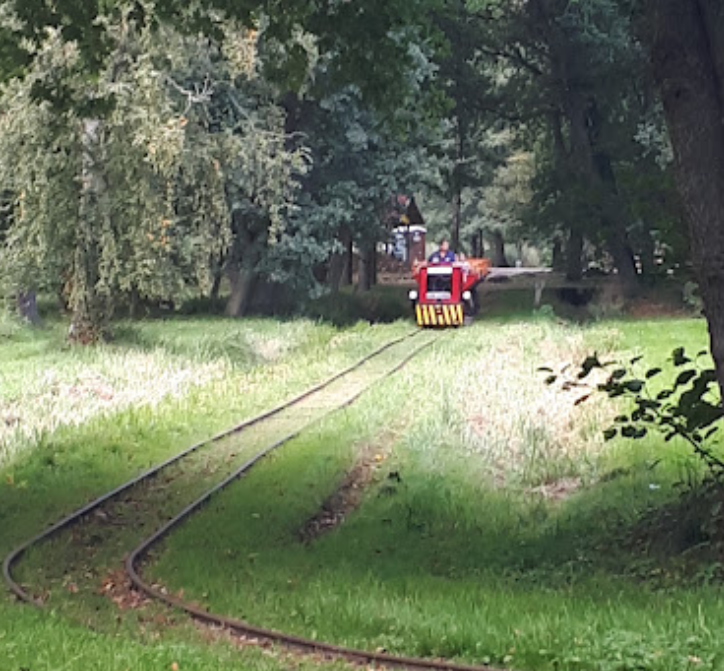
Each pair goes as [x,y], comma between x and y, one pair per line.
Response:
[368,470]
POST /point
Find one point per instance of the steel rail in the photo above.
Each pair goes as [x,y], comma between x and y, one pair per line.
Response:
[12,559]
[241,627]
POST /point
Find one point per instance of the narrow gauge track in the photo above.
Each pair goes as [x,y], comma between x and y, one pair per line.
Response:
[153,474]
[246,629]
[239,627]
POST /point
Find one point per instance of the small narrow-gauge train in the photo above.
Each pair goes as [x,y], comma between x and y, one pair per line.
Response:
[446,293]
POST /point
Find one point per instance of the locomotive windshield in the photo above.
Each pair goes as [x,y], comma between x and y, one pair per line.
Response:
[439,283]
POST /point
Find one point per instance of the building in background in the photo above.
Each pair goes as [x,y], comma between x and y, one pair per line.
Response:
[408,233]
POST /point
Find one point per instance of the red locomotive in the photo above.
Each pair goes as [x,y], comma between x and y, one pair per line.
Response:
[446,292]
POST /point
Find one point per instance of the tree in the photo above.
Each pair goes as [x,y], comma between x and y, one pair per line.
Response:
[137,203]
[563,67]
[256,190]
[461,145]
[362,36]
[685,39]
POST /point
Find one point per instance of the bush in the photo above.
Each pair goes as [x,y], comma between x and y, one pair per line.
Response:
[381,305]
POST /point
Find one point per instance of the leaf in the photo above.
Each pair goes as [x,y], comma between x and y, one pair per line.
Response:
[679,357]
[582,400]
[662,395]
[636,359]
[628,431]
[621,419]
[685,377]
[618,374]
[588,365]
[634,386]
[652,373]
[545,369]
[610,434]
[708,376]
[702,415]
[551,379]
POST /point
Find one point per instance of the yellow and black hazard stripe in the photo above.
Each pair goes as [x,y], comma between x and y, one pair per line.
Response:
[439,315]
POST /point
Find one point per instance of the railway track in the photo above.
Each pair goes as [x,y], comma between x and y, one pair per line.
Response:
[132,510]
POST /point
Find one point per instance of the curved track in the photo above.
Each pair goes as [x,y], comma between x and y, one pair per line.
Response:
[314,394]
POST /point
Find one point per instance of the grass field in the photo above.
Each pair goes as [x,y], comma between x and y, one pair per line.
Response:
[229,371]
[497,526]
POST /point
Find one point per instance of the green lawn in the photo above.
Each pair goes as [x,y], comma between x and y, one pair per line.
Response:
[497,527]
[180,381]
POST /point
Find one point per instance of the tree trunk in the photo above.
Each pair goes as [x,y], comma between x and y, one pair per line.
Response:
[648,253]
[28,307]
[90,313]
[461,127]
[340,265]
[574,256]
[688,65]
[373,265]
[216,286]
[583,161]
[478,245]
[243,283]
[218,274]
[457,216]
[498,251]
[134,303]
[623,259]
[596,172]
[558,262]
[613,219]
[336,269]
[338,262]
[348,276]
[242,263]
[366,271]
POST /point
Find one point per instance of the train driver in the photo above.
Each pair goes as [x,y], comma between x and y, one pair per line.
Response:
[444,254]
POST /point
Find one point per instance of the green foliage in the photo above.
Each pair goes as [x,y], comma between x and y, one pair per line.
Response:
[366,42]
[381,305]
[687,405]
[138,204]
[198,164]
[255,141]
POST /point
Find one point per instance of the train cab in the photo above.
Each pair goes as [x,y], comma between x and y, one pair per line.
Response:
[446,292]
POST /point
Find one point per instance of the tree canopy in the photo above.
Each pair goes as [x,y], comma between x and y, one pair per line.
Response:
[155,149]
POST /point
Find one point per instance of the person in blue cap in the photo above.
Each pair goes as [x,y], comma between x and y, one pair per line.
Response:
[444,254]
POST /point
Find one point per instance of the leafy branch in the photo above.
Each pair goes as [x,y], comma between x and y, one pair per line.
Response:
[687,407]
